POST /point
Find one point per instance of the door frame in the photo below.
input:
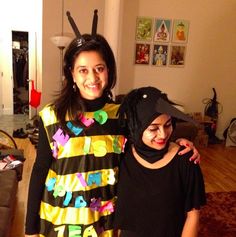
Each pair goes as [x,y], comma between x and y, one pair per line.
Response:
[17,19]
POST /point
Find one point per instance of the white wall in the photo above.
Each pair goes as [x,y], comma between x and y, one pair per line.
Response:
[210,59]
[82,12]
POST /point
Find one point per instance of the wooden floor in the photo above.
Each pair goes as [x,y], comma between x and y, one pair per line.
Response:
[218,165]
[19,219]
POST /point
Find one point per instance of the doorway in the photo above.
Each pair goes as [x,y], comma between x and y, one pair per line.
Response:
[20,56]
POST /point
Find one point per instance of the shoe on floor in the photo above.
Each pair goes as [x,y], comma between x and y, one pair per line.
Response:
[19,133]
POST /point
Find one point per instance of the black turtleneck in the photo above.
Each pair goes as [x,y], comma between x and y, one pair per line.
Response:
[149,154]
[93,105]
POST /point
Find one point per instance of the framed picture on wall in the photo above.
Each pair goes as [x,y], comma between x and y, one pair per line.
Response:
[180,31]
[144,29]
[142,53]
[159,55]
[162,30]
[177,55]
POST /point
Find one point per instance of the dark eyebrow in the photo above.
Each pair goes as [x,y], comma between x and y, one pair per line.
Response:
[157,124]
[84,66]
[100,64]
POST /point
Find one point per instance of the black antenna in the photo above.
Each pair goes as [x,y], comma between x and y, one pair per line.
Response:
[95,23]
[73,25]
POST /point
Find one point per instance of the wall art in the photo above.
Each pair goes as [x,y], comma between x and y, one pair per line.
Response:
[180,31]
[142,53]
[144,28]
[177,55]
[162,30]
[160,55]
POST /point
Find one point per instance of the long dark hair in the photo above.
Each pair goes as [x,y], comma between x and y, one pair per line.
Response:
[70,101]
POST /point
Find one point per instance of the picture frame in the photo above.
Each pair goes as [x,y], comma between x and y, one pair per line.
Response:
[177,55]
[144,29]
[180,31]
[162,30]
[142,53]
[160,55]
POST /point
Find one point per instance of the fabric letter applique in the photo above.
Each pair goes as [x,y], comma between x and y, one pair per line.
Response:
[116,145]
[74,129]
[123,145]
[109,177]
[86,121]
[90,232]
[59,191]
[107,207]
[95,178]
[95,204]
[61,137]
[60,230]
[50,184]
[75,231]
[87,142]
[80,202]
[100,116]
[81,179]
[99,148]
[67,198]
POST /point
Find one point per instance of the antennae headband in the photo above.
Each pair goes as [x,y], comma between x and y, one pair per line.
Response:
[73,25]
[95,23]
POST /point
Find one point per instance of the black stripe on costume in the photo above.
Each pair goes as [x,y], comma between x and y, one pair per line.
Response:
[105,192]
[85,163]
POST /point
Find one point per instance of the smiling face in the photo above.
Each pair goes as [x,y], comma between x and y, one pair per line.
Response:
[157,134]
[90,73]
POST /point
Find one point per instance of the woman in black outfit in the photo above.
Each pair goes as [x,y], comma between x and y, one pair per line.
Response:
[159,192]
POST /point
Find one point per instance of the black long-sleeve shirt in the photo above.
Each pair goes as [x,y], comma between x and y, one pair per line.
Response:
[37,181]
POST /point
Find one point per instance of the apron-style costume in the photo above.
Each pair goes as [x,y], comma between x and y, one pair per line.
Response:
[80,188]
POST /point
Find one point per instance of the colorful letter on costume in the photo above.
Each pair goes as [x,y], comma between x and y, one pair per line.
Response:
[61,230]
[99,148]
[67,198]
[61,137]
[95,178]
[81,179]
[90,232]
[80,202]
[101,116]
[75,231]
[95,204]
[86,121]
[59,191]
[87,143]
[50,184]
[74,129]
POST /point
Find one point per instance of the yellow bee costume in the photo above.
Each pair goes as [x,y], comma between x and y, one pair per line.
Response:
[79,199]
[72,191]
